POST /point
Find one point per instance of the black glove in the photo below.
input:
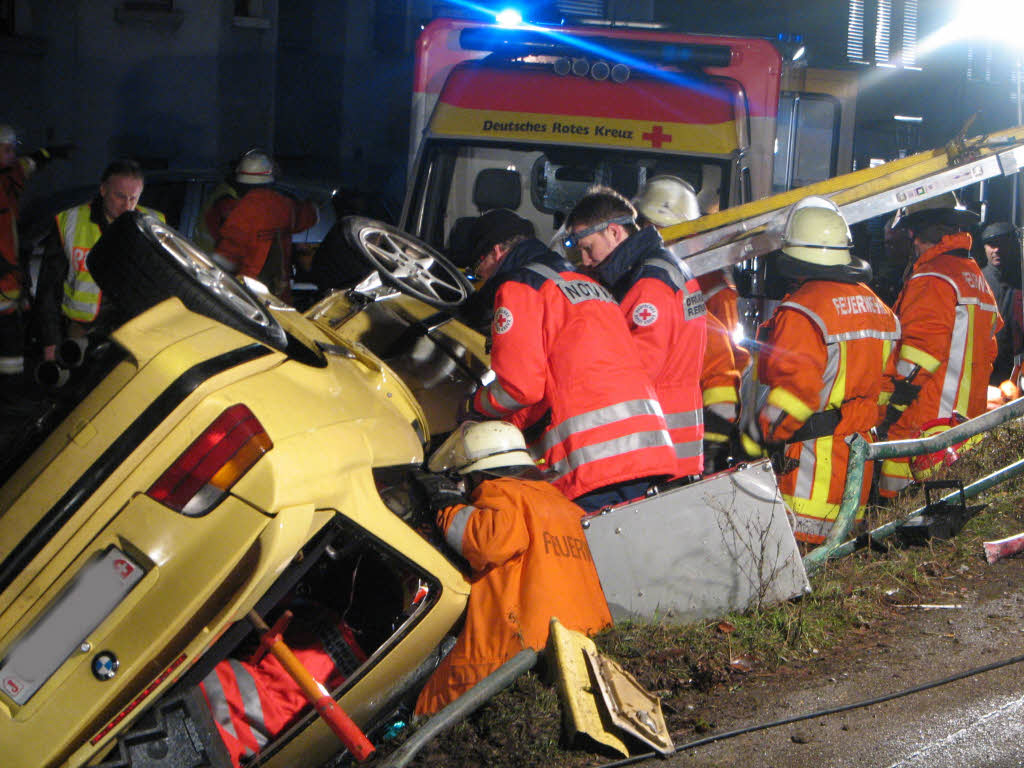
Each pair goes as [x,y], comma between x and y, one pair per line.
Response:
[904,393]
[716,457]
[440,490]
[781,463]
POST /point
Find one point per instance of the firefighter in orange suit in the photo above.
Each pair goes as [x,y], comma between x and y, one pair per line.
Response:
[663,202]
[663,307]
[527,552]
[720,298]
[723,369]
[253,701]
[949,321]
[14,172]
[823,355]
[720,392]
[255,239]
[566,369]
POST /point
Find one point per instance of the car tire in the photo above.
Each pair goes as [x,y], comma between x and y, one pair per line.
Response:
[140,262]
[407,263]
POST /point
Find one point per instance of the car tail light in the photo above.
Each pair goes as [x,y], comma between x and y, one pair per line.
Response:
[216,460]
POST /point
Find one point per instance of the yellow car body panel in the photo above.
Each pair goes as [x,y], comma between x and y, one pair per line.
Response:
[73,705]
[439,378]
[346,413]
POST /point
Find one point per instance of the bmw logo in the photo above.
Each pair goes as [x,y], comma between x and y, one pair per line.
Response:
[104,665]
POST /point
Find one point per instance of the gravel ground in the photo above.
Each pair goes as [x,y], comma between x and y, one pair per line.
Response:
[976,721]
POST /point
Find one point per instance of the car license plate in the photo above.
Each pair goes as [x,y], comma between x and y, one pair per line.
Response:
[63,627]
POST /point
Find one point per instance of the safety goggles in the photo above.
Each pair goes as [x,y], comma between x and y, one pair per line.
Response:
[573,238]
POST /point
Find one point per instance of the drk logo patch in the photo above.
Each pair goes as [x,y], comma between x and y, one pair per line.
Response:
[645,314]
[503,320]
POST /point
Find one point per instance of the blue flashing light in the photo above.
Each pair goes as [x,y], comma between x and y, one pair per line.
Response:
[509,17]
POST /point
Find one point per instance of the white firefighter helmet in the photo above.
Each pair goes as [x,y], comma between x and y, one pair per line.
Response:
[667,200]
[482,445]
[817,233]
[7,134]
[255,167]
[945,209]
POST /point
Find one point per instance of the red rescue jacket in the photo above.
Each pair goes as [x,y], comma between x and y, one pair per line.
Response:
[252,703]
[261,219]
[560,345]
[664,309]
[12,182]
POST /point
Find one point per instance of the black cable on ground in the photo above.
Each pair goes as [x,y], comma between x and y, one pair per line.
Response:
[820,713]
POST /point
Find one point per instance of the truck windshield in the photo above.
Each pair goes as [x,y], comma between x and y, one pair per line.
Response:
[458,180]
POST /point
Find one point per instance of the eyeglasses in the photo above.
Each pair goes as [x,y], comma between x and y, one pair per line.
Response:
[573,239]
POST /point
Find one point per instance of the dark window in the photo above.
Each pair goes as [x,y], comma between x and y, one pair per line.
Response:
[807,140]
[148,5]
[6,17]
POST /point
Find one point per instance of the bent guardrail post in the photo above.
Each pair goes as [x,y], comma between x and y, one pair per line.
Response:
[463,706]
[969,491]
[861,452]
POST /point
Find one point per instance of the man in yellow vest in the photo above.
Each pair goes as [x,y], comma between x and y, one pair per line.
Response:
[68,301]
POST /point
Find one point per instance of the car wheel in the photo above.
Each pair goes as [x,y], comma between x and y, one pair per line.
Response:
[410,265]
[140,261]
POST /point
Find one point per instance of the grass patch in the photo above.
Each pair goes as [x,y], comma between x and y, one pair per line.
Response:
[852,600]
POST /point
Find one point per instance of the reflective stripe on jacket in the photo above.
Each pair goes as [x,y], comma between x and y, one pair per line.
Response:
[252,703]
[827,347]
[559,344]
[949,322]
[528,553]
[78,234]
[212,215]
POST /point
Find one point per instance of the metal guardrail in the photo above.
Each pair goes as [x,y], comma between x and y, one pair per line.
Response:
[862,451]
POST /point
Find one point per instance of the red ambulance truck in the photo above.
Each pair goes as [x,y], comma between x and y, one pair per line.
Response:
[529,117]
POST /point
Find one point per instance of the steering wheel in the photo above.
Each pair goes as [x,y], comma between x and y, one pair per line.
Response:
[408,264]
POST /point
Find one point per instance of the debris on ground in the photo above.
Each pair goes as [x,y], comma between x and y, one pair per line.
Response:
[997,550]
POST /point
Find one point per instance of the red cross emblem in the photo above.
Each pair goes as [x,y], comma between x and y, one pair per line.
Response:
[503,320]
[645,314]
[657,136]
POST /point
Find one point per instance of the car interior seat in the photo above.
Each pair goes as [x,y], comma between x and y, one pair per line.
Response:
[492,188]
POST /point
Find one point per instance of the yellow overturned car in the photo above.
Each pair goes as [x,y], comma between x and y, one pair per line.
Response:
[219,456]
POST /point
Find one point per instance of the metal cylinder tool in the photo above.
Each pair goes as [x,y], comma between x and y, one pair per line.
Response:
[340,723]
